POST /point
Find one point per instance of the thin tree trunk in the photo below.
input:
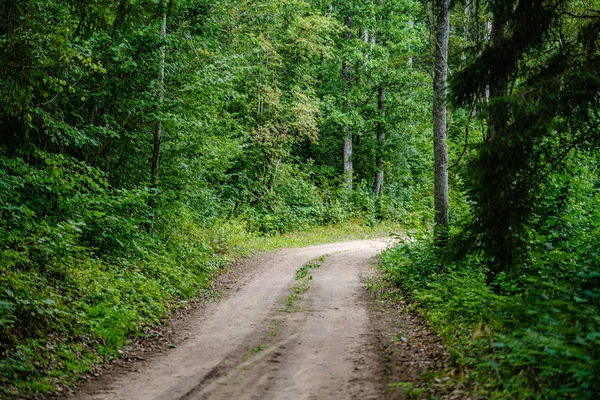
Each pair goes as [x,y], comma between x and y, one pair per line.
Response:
[348,141]
[158,128]
[348,157]
[274,181]
[379,160]
[440,148]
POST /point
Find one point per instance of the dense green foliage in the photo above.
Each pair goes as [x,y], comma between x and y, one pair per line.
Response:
[252,123]
[536,337]
[516,294]
[82,268]
[259,98]
[550,110]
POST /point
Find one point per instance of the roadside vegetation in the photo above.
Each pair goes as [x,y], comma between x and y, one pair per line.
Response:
[533,332]
[511,282]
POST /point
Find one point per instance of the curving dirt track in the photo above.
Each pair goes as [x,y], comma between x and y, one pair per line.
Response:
[249,346]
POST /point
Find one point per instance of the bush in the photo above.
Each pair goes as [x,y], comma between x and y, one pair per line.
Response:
[81,263]
[539,337]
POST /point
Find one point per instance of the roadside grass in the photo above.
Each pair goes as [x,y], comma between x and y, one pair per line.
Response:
[353,230]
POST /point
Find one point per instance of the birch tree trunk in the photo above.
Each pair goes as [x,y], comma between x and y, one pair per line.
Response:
[158,128]
[440,148]
[379,160]
[348,142]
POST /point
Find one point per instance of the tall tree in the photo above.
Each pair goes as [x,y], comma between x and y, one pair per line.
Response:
[158,129]
[347,80]
[548,54]
[440,148]
[379,161]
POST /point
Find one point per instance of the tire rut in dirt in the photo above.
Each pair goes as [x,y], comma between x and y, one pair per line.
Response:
[323,351]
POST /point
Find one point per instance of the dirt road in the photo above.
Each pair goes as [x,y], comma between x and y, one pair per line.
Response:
[256,344]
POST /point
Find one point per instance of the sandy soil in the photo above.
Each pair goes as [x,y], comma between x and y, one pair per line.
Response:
[332,345]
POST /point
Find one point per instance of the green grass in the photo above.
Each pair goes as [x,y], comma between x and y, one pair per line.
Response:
[306,268]
[353,230]
[303,278]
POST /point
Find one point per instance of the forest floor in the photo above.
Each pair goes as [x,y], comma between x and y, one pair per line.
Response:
[295,324]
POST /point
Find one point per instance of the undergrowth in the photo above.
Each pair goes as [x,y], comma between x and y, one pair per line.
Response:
[534,335]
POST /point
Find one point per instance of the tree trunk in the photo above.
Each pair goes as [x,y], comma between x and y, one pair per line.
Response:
[380,140]
[348,142]
[440,148]
[348,157]
[158,128]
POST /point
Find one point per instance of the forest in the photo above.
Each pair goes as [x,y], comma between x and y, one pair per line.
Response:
[147,144]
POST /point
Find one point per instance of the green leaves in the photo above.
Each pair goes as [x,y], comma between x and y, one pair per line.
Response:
[252,111]
[537,332]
